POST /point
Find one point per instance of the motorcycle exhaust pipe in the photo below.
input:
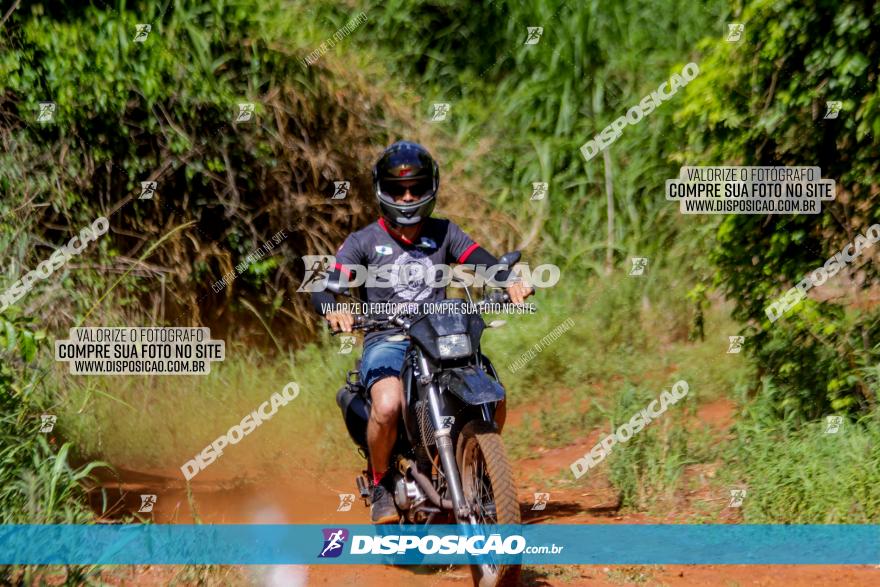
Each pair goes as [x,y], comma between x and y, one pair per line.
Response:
[407,466]
[356,414]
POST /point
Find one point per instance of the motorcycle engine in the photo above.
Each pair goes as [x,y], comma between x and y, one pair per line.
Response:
[407,494]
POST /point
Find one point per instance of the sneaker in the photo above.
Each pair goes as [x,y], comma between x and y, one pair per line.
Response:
[382,508]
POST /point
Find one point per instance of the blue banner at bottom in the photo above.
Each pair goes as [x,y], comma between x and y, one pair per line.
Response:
[440,544]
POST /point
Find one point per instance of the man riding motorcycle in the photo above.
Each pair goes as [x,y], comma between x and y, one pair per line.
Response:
[406,180]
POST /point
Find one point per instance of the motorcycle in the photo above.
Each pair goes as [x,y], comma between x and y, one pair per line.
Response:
[449,462]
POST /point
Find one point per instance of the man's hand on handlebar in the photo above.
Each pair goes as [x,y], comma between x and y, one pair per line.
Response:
[340,321]
[518,292]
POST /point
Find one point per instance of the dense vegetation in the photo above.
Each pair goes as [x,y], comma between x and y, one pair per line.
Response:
[796,56]
[128,112]
[166,109]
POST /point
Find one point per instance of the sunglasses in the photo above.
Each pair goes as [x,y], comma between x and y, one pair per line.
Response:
[396,189]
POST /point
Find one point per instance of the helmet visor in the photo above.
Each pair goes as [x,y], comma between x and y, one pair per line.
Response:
[420,187]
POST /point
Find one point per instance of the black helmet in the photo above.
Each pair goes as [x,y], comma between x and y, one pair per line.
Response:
[406,161]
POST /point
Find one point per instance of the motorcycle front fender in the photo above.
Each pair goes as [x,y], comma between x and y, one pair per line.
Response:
[471,385]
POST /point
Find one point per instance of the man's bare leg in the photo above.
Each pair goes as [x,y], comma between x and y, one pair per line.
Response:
[387,402]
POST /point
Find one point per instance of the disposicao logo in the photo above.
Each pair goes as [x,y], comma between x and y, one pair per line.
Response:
[334,539]
[430,544]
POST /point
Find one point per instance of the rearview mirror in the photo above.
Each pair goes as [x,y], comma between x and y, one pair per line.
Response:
[510,259]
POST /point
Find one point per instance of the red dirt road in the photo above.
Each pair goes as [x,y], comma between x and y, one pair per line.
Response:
[311,497]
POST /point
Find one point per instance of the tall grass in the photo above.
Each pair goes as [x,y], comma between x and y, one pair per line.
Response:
[647,470]
[38,485]
[537,104]
[158,423]
[800,474]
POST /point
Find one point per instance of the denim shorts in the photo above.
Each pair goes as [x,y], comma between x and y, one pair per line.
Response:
[382,359]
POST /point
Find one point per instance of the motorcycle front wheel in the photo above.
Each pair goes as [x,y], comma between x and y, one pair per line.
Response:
[487,484]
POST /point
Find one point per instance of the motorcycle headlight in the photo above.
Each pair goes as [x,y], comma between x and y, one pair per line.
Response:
[453,346]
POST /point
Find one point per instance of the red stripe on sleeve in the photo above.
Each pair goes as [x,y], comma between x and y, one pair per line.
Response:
[467,252]
[343,269]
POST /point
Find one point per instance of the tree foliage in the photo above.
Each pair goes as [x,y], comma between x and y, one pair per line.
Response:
[166,110]
[762,101]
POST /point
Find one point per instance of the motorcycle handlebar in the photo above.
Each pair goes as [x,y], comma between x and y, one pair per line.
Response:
[362,323]
[497,297]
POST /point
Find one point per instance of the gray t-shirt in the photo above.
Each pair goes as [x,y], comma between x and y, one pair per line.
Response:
[440,241]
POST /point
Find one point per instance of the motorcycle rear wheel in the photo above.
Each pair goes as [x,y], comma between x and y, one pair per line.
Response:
[487,484]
